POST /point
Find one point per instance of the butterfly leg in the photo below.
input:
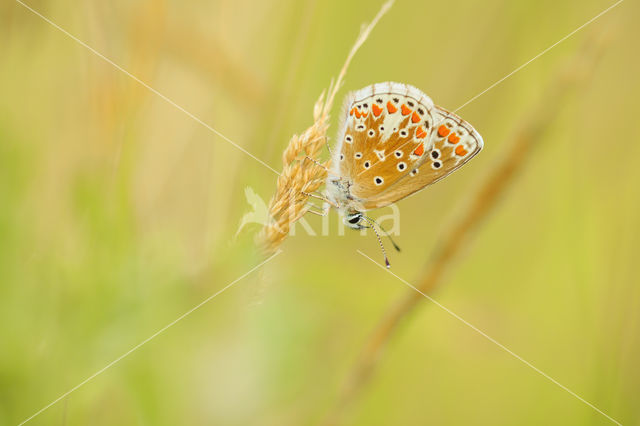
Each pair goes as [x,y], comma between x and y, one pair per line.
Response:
[316,212]
[320,197]
[319,164]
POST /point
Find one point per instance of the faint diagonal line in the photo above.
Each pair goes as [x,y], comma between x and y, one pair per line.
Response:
[124,71]
[494,341]
[538,55]
[375,160]
[148,339]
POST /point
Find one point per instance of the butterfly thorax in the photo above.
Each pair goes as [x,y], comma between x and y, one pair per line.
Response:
[338,192]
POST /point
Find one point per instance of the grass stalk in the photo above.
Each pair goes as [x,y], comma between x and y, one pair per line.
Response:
[529,133]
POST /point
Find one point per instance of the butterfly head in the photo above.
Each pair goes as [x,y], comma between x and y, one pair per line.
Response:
[354,220]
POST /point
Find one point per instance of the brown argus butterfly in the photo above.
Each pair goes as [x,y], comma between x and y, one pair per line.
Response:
[392,143]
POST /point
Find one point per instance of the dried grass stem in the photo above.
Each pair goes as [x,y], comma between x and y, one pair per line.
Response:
[482,202]
[300,176]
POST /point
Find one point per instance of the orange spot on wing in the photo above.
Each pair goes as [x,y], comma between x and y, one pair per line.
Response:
[358,114]
[453,138]
[376,110]
[415,117]
[391,107]
[353,111]
[364,113]
[442,130]
[405,110]
[420,132]
[419,150]
[461,151]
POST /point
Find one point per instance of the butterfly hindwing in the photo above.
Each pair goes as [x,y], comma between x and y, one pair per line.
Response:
[452,141]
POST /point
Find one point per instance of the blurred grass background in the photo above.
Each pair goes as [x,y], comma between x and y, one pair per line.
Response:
[118,211]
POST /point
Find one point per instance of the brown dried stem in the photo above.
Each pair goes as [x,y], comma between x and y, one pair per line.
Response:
[301,176]
[483,200]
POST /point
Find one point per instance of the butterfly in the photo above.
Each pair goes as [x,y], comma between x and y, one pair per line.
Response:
[393,142]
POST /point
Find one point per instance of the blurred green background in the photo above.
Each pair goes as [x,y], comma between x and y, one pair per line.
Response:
[118,214]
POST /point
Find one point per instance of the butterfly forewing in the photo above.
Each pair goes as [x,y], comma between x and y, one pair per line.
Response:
[385,136]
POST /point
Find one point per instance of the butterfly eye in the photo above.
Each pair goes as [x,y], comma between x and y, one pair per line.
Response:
[435,154]
[358,155]
[348,139]
[398,154]
[402,166]
[436,165]
[367,164]
[354,220]
[371,133]
[378,180]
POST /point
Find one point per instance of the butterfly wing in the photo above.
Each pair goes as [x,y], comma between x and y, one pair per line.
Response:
[452,141]
[384,137]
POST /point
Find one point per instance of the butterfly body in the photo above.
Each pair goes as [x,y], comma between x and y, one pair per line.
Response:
[393,142]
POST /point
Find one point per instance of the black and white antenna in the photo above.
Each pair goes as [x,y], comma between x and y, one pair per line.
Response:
[384,252]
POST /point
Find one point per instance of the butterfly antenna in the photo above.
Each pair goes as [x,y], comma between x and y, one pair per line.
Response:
[384,252]
[385,233]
